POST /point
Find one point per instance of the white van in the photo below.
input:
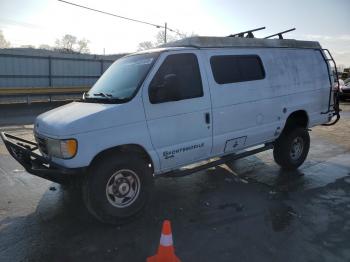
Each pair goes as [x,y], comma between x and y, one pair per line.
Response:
[157,111]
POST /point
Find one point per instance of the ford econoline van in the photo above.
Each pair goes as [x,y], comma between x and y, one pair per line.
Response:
[154,112]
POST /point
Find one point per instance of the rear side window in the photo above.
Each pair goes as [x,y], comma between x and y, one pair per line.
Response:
[188,79]
[236,68]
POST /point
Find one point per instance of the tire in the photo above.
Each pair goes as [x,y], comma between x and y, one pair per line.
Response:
[117,187]
[291,148]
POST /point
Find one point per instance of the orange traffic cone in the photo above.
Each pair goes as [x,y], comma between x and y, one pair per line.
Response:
[166,249]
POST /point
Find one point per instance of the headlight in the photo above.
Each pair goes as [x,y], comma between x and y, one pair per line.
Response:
[62,148]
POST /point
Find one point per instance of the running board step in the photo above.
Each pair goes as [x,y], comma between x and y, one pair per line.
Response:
[220,161]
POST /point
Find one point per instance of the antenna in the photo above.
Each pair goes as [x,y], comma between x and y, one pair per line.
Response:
[249,33]
[280,34]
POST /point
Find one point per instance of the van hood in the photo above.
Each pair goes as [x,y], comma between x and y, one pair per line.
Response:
[80,117]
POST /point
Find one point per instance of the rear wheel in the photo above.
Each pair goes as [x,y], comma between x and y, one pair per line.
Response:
[291,148]
[117,187]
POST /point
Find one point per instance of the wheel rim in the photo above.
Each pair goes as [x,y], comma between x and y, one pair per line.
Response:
[123,188]
[297,148]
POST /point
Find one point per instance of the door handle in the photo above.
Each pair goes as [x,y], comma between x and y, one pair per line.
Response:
[207,118]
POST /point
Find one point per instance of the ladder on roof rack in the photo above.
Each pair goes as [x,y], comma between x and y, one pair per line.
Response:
[280,34]
[248,34]
[327,56]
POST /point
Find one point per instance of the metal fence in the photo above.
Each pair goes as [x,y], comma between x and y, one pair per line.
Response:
[27,75]
[32,68]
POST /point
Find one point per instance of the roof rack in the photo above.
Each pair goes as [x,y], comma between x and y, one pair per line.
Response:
[280,34]
[243,39]
[249,33]
[229,42]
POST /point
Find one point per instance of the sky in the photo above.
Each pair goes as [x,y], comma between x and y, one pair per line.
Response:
[36,22]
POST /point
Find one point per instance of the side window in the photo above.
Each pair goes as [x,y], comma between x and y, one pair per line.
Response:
[236,68]
[178,78]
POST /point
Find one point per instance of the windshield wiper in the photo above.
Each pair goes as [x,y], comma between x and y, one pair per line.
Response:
[107,98]
[103,94]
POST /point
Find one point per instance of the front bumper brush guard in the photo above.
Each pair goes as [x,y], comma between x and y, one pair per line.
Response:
[23,151]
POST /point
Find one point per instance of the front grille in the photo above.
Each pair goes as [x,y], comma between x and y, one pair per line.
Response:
[346,91]
[42,144]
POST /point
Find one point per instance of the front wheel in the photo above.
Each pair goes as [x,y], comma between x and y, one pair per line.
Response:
[291,148]
[117,187]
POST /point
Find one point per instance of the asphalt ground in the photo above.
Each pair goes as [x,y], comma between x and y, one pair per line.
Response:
[247,210]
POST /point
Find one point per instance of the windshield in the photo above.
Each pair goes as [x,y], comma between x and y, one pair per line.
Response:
[122,79]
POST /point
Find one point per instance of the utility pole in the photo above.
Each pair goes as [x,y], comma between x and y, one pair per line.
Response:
[165,28]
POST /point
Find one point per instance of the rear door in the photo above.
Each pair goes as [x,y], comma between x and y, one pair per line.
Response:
[181,130]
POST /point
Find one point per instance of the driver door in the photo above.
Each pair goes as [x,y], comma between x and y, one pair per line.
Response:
[178,110]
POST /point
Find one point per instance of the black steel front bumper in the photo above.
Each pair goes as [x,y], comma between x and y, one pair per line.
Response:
[24,152]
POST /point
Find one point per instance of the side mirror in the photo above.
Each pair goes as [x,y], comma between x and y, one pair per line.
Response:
[165,92]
